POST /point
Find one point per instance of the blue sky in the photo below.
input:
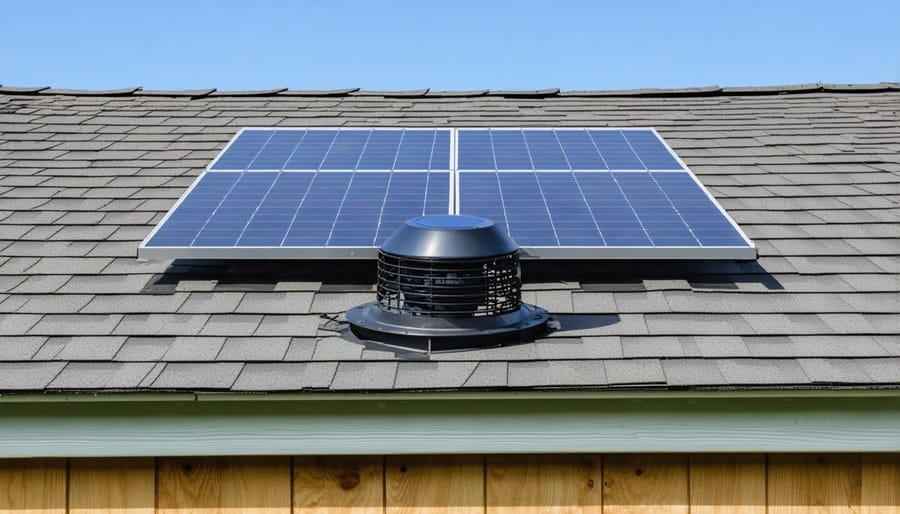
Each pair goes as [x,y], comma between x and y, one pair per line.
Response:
[446,44]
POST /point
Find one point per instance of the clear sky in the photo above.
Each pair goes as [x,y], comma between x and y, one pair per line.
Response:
[446,44]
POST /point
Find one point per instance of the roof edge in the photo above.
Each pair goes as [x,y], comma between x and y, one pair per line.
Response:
[713,90]
[314,396]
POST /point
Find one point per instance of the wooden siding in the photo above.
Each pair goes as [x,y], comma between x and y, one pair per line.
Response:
[460,484]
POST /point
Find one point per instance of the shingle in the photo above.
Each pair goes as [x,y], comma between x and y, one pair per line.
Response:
[70,265]
[287,376]
[592,303]
[652,346]
[692,372]
[634,371]
[433,375]
[873,282]
[196,285]
[106,284]
[833,264]
[131,266]
[16,265]
[20,347]
[144,348]
[834,371]
[276,303]
[852,323]
[76,324]
[300,349]
[294,285]
[90,348]
[697,324]
[194,349]
[577,347]
[10,283]
[554,301]
[152,375]
[736,302]
[196,375]
[606,347]
[219,302]
[557,373]
[762,371]
[764,324]
[488,375]
[55,253]
[84,233]
[287,325]
[510,351]
[135,303]
[27,376]
[364,376]
[890,343]
[335,348]
[888,264]
[652,301]
[12,303]
[41,284]
[231,325]
[338,302]
[254,349]
[50,349]
[161,324]
[578,325]
[101,375]
[882,371]
[872,302]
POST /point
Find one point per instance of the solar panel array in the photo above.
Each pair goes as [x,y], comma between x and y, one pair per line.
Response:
[565,193]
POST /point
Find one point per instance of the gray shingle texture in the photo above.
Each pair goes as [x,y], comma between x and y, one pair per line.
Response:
[813,176]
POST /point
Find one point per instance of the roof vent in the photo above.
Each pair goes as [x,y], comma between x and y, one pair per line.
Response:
[448,282]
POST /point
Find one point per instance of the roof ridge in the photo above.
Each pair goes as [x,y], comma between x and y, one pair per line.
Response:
[714,90]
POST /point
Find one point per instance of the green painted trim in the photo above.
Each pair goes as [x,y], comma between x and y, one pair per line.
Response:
[403,424]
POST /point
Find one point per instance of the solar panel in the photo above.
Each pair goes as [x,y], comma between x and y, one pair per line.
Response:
[339,193]
[314,193]
[592,193]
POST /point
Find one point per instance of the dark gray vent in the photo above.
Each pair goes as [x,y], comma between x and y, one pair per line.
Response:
[448,282]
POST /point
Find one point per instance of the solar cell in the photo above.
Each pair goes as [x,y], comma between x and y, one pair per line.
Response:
[559,193]
[563,149]
[300,209]
[336,149]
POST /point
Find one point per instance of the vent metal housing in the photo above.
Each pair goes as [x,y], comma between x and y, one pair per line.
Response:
[448,282]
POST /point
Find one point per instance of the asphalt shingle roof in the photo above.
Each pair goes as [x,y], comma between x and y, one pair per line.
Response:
[811,172]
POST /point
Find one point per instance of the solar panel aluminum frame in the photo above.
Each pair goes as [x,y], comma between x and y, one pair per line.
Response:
[748,252]
[145,252]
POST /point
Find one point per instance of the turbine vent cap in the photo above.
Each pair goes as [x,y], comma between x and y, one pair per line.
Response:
[449,237]
[448,282]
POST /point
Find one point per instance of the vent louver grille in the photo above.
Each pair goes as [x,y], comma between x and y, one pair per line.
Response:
[455,288]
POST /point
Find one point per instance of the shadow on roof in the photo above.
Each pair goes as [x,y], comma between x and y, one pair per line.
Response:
[359,276]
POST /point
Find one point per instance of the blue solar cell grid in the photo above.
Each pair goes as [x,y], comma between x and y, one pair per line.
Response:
[351,188]
[587,188]
[563,149]
[275,209]
[334,149]
[584,209]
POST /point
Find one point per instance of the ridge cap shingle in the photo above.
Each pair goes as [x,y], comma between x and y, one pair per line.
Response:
[712,90]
